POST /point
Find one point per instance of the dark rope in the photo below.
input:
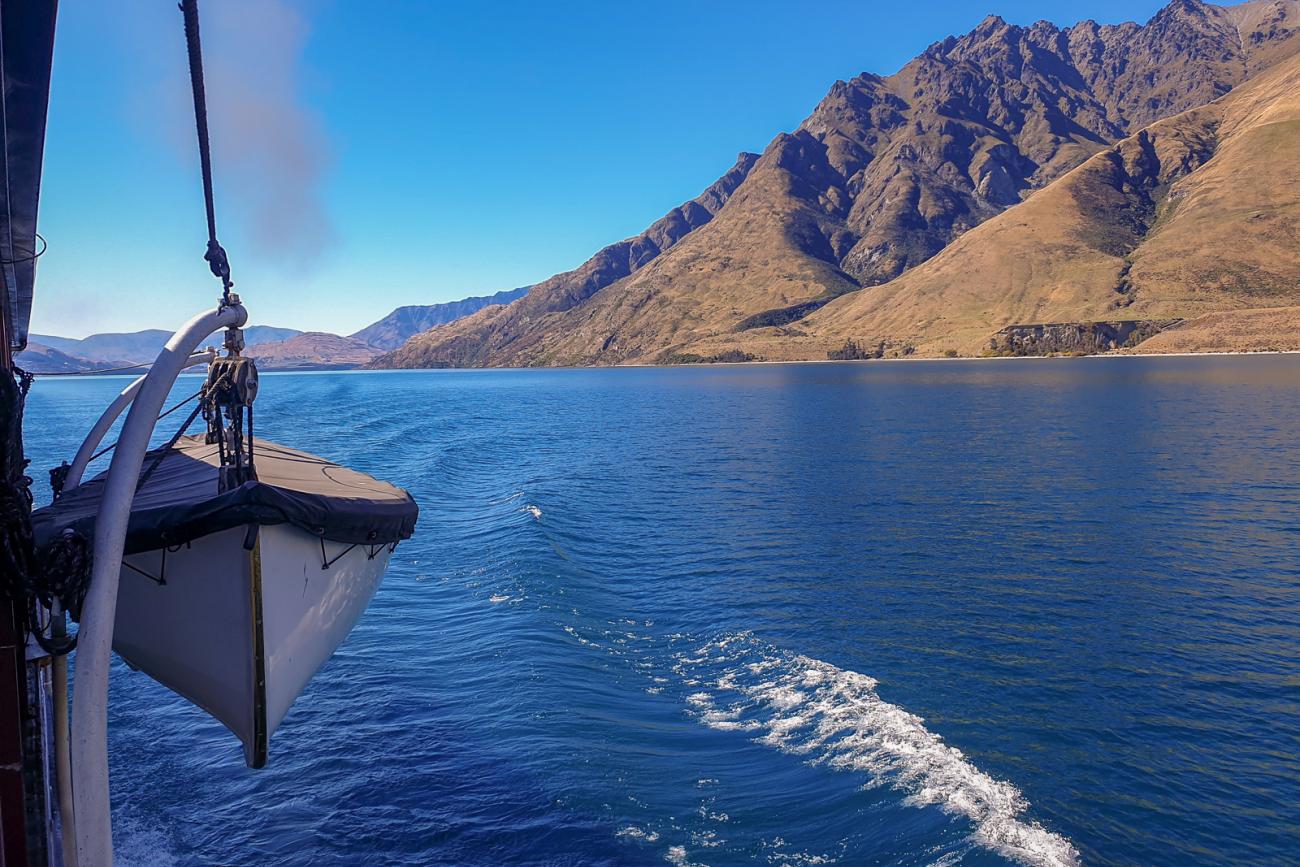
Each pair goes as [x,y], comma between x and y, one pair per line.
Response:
[108,448]
[65,576]
[162,452]
[180,404]
[251,471]
[199,407]
[216,254]
[17,551]
[99,371]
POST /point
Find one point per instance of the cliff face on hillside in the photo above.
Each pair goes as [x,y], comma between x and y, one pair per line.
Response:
[883,175]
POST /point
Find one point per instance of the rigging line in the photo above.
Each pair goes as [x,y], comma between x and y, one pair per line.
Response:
[108,448]
[101,370]
[166,449]
[216,254]
[180,404]
[161,580]
[185,425]
[98,371]
[325,560]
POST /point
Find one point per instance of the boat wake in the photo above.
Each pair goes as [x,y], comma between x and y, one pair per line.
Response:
[835,718]
[829,716]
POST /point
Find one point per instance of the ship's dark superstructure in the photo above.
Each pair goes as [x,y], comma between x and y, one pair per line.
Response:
[26,51]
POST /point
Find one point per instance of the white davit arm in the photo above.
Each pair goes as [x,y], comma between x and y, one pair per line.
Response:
[85,454]
[95,638]
[121,402]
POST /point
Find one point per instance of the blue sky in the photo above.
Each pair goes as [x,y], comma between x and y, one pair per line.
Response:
[399,152]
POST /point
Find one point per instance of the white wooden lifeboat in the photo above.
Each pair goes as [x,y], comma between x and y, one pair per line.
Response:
[235,600]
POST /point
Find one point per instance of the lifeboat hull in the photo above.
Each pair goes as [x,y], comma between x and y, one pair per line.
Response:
[240,620]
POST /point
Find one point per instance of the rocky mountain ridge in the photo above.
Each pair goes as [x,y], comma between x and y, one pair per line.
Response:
[882,175]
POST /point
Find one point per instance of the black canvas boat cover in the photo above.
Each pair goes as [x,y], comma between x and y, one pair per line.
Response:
[179,501]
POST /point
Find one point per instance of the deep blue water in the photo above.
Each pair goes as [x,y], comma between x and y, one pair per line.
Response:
[882,613]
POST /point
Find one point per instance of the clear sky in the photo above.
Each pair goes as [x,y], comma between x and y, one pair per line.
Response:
[373,154]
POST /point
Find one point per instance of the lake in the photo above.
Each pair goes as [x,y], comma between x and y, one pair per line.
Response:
[981,612]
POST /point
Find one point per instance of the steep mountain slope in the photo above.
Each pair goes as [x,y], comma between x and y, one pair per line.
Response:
[884,174]
[405,322]
[1194,215]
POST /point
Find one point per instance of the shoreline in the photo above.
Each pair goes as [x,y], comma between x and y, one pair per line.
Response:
[756,363]
[907,360]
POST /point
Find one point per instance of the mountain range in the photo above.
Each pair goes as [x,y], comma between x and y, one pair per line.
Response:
[1005,180]
[275,348]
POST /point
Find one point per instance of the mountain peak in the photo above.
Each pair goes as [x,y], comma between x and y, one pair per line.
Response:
[1184,7]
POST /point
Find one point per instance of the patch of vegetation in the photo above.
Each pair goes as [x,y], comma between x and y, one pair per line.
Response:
[852,351]
[730,356]
[950,353]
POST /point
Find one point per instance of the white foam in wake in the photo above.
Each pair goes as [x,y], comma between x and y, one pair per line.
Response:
[138,845]
[811,708]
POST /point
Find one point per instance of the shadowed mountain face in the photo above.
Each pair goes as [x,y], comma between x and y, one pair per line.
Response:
[405,322]
[884,174]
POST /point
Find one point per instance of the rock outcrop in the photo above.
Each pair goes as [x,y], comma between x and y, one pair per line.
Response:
[1083,338]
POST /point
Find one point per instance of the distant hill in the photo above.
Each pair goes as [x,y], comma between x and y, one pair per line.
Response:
[138,346]
[313,350]
[319,350]
[119,348]
[40,358]
[406,322]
